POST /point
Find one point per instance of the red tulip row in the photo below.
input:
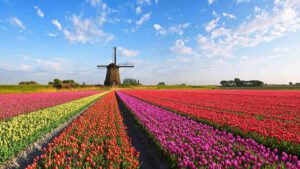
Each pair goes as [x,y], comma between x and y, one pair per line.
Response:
[15,104]
[272,116]
[97,139]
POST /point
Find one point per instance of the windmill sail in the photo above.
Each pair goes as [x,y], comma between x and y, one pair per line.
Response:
[112,73]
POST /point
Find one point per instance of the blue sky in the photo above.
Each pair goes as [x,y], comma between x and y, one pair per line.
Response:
[184,41]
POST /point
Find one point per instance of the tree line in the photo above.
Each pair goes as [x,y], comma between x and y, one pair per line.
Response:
[240,83]
[63,83]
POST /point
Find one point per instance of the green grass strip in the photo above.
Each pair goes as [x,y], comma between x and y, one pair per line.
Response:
[19,132]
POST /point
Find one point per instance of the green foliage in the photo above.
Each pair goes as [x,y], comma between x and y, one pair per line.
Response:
[57,83]
[161,84]
[28,83]
[130,81]
[25,88]
[64,83]
[241,83]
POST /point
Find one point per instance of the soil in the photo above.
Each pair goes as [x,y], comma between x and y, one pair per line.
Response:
[149,156]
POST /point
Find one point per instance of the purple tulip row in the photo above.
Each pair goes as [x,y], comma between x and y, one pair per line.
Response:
[197,145]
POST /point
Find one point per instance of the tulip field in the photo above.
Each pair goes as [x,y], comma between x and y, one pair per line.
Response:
[16,104]
[269,117]
[188,128]
[96,139]
[18,132]
[196,145]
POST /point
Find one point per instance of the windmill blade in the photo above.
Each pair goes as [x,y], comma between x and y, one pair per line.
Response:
[101,66]
[125,65]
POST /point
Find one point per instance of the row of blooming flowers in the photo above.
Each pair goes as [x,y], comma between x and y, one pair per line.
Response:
[270,117]
[196,145]
[18,132]
[97,139]
[16,104]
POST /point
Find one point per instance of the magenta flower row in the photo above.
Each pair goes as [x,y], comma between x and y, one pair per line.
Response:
[196,145]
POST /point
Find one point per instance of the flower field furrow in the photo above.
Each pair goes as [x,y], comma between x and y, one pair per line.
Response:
[97,139]
[18,132]
[16,104]
[269,117]
[197,145]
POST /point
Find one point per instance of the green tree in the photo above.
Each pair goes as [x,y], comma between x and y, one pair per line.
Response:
[224,83]
[57,83]
[161,84]
[238,82]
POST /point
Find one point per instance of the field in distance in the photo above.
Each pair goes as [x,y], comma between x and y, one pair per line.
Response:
[6,89]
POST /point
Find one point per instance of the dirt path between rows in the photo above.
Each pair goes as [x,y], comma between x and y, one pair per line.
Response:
[149,156]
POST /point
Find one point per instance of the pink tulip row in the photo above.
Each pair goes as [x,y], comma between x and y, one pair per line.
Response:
[269,114]
[15,104]
[196,145]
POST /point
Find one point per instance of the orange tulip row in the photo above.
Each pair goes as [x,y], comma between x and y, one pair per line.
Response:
[97,139]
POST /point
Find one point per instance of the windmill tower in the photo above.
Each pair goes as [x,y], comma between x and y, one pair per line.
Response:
[112,73]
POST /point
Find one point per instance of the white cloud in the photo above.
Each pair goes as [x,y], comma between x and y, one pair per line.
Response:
[52,34]
[39,11]
[158,28]
[143,19]
[86,31]
[214,13]
[257,10]
[15,68]
[210,1]
[57,24]
[147,2]
[263,27]
[280,49]
[180,48]
[25,68]
[241,1]
[220,32]
[55,65]
[138,10]
[94,2]
[228,15]
[89,30]
[128,53]
[17,22]
[178,29]
[105,10]
[212,24]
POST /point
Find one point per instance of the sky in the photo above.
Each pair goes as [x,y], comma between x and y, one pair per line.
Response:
[196,42]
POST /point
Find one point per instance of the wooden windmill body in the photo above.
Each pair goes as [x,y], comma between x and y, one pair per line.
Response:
[112,73]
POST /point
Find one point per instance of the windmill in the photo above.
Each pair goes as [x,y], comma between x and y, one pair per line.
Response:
[112,73]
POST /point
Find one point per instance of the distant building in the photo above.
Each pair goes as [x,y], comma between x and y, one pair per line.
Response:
[67,85]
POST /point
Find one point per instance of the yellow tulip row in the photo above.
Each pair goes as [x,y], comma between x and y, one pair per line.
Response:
[18,132]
